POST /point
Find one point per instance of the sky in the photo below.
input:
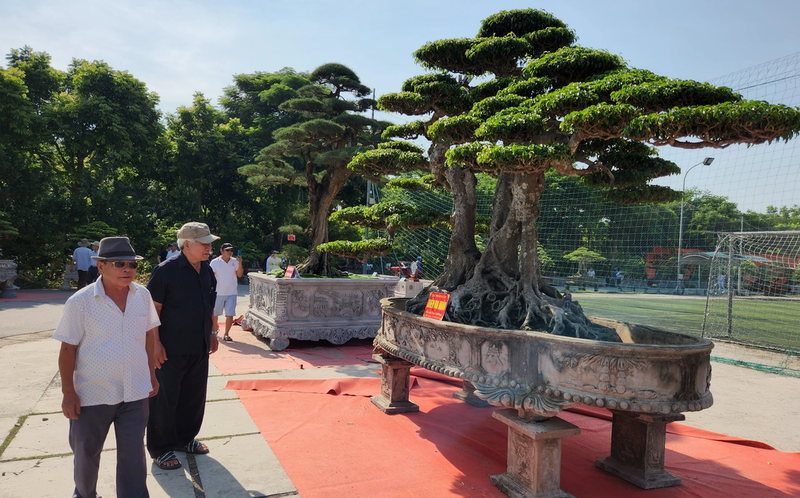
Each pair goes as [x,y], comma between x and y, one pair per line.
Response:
[181,47]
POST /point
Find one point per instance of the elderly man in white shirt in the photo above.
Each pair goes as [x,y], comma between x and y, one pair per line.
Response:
[107,370]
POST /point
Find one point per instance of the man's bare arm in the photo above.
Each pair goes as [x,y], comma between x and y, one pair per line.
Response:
[70,403]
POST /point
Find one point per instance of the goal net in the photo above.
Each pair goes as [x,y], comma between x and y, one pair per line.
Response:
[754,290]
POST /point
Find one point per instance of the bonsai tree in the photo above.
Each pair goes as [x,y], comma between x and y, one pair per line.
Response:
[583,257]
[553,105]
[315,151]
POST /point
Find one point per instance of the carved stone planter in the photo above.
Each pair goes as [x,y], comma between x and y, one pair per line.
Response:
[330,309]
[7,276]
[646,381]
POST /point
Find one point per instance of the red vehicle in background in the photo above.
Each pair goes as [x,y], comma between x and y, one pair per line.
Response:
[402,269]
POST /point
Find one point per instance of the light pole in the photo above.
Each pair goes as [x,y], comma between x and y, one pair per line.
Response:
[705,162]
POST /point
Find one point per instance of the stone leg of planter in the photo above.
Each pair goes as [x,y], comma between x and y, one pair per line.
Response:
[395,385]
[534,456]
[637,449]
[8,290]
[467,395]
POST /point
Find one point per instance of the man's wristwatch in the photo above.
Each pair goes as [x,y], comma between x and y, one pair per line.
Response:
[214,332]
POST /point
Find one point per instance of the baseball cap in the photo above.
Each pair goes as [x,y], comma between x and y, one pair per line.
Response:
[196,231]
[226,245]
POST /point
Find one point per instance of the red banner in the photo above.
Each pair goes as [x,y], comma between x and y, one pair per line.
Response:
[437,303]
[291,272]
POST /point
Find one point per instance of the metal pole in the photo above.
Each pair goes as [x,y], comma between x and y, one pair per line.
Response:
[741,239]
[705,162]
[730,293]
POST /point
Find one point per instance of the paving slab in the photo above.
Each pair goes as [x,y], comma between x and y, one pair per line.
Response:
[28,368]
[52,478]
[226,418]
[242,467]
[43,435]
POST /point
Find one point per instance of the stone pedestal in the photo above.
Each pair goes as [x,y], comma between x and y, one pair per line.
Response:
[467,395]
[534,456]
[637,449]
[315,309]
[395,385]
[7,276]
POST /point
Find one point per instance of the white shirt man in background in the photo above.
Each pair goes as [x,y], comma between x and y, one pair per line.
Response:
[226,270]
[274,262]
[107,369]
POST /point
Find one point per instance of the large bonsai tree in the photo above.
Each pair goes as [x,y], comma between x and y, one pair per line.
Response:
[315,151]
[550,105]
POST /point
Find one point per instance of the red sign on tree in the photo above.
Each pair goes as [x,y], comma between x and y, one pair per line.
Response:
[437,303]
[290,237]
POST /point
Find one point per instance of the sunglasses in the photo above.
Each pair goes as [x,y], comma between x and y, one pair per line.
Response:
[122,264]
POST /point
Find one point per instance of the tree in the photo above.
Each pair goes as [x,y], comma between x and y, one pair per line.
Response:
[579,112]
[316,150]
[583,257]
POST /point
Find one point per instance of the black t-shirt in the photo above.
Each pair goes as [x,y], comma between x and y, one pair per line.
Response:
[187,298]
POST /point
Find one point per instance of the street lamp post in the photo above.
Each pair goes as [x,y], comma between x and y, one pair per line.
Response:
[705,162]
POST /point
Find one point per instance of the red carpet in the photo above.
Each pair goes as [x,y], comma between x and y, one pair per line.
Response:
[333,442]
[24,295]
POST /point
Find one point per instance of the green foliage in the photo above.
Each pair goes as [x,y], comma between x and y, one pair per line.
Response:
[519,22]
[571,64]
[466,154]
[522,158]
[449,55]
[360,250]
[410,131]
[549,40]
[658,95]
[389,158]
[455,129]
[412,184]
[605,121]
[93,231]
[583,254]
[641,194]
[409,103]
[513,125]
[717,125]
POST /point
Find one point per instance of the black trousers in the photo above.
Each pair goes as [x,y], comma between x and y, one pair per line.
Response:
[82,278]
[176,412]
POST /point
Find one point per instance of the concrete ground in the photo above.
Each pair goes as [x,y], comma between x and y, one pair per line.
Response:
[35,459]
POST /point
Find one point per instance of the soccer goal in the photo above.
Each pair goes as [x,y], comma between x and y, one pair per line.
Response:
[754,290]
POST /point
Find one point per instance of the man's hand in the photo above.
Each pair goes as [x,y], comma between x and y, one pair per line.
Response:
[159,354]
[214,344]
[71,405]
[155,384]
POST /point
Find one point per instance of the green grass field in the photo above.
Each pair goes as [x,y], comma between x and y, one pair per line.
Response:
[771,322]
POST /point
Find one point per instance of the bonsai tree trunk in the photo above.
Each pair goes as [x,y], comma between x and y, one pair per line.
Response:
[462,254]
[321,197]
[506,286]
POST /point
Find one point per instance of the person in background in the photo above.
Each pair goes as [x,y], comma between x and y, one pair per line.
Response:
[416,269]
[226,270]
[567,300]
[82,258]
[172,250]
[274,262]
[93,274]
[107,370]
[184,292]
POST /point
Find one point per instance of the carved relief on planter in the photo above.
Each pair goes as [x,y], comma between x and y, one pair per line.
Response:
[7,277]
[541,374]
[335,310]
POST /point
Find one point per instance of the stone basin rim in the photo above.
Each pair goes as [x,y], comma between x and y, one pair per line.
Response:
[700,344]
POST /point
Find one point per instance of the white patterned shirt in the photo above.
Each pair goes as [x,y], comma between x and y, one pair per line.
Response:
[111,362]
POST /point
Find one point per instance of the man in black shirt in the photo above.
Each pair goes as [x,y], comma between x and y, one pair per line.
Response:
[184,291]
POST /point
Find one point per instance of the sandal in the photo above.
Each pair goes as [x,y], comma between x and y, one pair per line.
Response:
[227,338]
[195,448]
[161,462]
